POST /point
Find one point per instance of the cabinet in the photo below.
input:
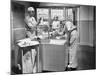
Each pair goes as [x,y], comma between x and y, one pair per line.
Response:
[53,55]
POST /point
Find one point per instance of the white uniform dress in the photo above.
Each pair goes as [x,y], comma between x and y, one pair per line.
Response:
[30,67]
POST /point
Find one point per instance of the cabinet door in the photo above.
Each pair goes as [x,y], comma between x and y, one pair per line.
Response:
[53,57]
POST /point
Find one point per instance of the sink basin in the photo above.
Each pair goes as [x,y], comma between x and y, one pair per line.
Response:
[57,42]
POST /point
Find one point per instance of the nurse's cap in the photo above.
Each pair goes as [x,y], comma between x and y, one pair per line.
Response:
[30,9]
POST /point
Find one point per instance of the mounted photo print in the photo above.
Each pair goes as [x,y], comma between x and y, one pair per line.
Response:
[52,37]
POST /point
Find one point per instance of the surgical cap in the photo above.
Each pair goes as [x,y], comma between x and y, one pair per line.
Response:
[30,9]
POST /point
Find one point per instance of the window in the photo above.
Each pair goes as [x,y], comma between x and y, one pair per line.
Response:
[43,25]
[51,21]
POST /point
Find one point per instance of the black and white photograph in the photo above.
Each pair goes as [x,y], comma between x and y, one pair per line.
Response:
[51,37]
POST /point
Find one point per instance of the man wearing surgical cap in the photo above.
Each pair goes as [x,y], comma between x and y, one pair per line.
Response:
[72,43]
[31,33]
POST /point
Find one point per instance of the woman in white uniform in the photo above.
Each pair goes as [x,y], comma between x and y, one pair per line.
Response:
[31,33]
[29,65]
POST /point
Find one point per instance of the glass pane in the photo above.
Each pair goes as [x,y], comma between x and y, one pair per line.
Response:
[57,12]
[43,23]
[70,14]
[42,13]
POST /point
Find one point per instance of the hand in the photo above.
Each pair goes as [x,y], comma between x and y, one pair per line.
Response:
[19,66]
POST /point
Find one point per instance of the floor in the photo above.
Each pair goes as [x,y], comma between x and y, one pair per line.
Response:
[86,57]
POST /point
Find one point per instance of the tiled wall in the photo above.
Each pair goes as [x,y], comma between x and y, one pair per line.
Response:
[86,53]
[17,29]
[87,24]
[18,24]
